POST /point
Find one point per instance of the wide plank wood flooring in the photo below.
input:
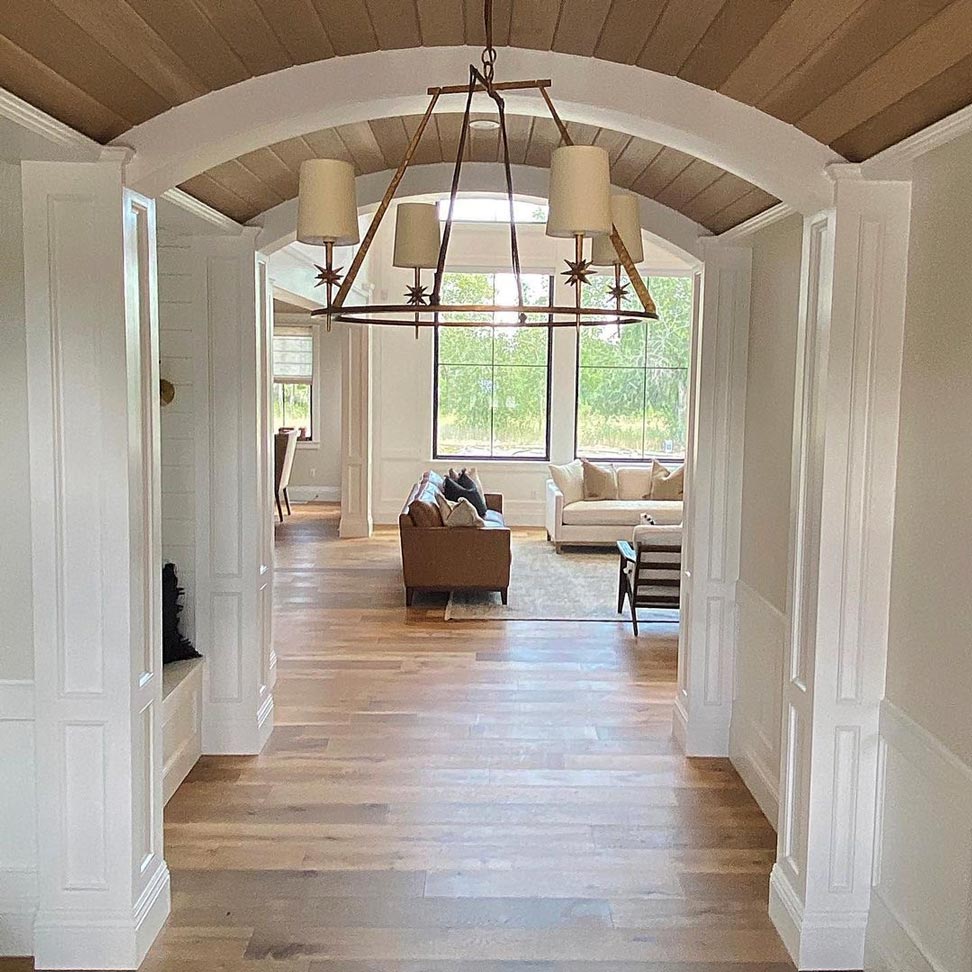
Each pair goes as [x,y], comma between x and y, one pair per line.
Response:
[461,796]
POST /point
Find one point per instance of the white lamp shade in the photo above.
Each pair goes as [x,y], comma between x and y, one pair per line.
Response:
[327,208]
[416,235]
[627,219]
[580,191]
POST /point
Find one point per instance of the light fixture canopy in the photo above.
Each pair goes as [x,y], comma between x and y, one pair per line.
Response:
[627,220]
[579,197]
[327,207]
[417,238]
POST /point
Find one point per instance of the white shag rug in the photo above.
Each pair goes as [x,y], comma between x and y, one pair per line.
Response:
[579,584]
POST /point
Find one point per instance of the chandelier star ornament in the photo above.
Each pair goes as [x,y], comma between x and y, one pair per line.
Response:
[417,296]
[618,292]
[328,275]
[577,272]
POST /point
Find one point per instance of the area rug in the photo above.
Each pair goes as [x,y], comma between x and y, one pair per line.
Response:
[580,584]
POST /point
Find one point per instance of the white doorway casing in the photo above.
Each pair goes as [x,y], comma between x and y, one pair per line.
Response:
[845,455]
[92,356]
[710,555]
[231,322]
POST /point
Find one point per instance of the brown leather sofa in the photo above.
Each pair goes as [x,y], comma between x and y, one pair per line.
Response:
[441,558]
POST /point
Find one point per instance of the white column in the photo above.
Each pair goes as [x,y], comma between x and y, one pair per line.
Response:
[356,450]
[234,576]
[710,547]
[845,453]
[92,347]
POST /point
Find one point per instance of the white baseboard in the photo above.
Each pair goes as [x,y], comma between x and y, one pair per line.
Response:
[314,494]
[355,527]
[819,942]
[755,731]
[18,906]
[761,782]
[890,946]
[18,813]
[79,939]
[236,736]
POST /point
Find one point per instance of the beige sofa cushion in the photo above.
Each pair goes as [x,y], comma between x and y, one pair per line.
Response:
[621,512]
[600,482]
[634,482]
[670,486]
[569,479]
[663,536]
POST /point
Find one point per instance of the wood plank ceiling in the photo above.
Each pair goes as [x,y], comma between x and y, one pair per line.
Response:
[254,182]
[858,75]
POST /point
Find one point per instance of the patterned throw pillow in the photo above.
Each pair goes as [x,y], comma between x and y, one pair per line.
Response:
[600,482]
[458,514]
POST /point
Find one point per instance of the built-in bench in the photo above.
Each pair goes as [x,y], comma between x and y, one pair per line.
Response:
[181,722]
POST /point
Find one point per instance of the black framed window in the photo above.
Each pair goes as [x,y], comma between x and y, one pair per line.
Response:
[492,383]
[632,380]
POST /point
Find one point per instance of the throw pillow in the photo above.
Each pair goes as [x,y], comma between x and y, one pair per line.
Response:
[634,482]
[425,512]
[456,491]
[467,482]
[460,513]
[600,482]
[470,471]
[569,479]
[669,487]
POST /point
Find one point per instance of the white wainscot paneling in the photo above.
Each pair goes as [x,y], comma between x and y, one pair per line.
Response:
[181,722]
[921,906]
[755,731]
[18,836]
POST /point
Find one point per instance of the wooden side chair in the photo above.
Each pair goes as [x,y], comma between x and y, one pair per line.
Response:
[650,571]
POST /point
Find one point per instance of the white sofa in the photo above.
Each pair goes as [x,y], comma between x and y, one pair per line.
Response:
[600,522]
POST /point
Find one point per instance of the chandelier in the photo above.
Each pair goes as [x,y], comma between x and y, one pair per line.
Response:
[580,206]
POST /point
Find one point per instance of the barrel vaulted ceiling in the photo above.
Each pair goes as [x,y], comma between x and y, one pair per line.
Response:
[254,182]
[857,75]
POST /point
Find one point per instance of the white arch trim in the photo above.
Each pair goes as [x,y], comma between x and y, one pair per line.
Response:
[222,125]
[672,230]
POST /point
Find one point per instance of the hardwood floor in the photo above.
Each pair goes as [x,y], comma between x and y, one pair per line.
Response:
[461,796]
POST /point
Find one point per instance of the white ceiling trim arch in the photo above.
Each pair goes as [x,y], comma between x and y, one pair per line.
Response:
[188,139]
[669,228]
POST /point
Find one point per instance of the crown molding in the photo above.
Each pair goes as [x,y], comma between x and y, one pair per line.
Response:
[38,122]
[896,161]
[753,225]
[195,207]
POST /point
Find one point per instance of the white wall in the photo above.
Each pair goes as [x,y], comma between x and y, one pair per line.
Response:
[921,915]
[18,851]
[176,353]
[755,735]
[402,372]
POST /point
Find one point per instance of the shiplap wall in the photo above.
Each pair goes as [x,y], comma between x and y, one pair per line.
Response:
[178,438]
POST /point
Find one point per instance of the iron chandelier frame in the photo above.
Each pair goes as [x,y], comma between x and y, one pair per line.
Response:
[427,310]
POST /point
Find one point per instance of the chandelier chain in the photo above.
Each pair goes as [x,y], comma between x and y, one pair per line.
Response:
[489,52]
